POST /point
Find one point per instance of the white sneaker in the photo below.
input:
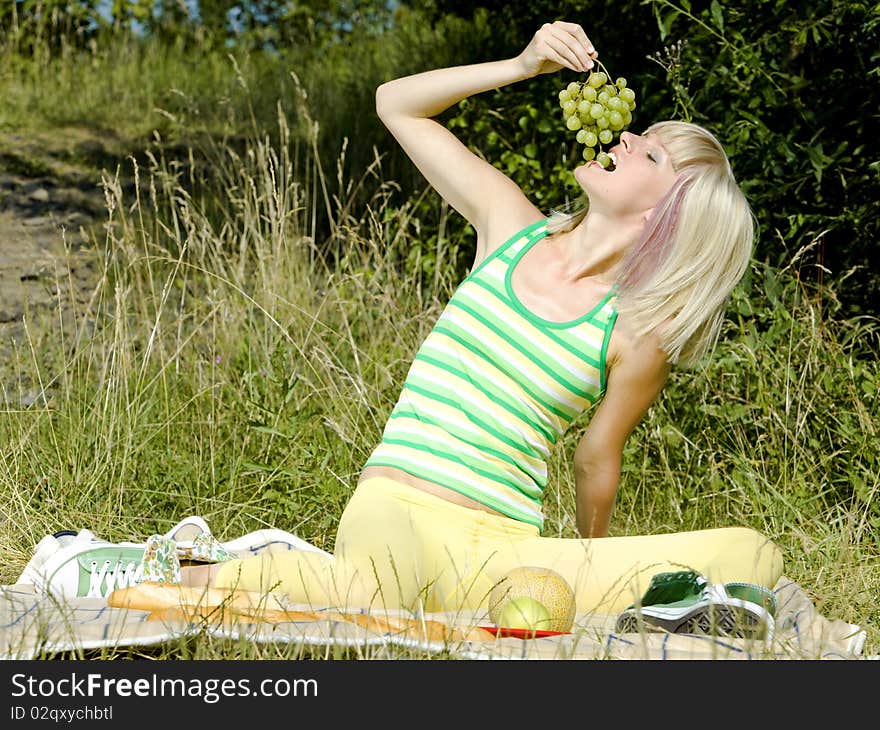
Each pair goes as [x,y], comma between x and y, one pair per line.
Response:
[268,540]
[47,547]
[684,602]
[187,530]
[93,569]
[183,533]
[205,548]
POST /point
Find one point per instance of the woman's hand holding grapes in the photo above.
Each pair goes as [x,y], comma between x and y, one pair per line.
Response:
[557,45]
[598,109]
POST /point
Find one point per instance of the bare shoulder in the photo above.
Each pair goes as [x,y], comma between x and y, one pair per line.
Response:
[639,357]
[637,371]
[503,222]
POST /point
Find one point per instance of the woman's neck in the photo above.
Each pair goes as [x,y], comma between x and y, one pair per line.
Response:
[596,247]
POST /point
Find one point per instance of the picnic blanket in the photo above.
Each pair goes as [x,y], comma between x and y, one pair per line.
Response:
[35,625]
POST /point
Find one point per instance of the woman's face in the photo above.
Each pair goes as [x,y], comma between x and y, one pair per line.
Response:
[642,176]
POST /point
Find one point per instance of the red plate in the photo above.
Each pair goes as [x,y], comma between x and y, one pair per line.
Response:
[521,633]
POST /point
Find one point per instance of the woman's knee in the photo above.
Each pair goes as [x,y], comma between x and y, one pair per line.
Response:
[744,553]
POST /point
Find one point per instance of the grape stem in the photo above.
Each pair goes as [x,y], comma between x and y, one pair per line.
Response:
[603,69]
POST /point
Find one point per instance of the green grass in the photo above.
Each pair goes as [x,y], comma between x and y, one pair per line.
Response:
[222,368]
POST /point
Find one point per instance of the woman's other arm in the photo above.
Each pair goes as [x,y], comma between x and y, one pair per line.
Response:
[635,380]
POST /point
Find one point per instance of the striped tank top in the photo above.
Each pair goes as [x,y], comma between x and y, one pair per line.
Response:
[492,388]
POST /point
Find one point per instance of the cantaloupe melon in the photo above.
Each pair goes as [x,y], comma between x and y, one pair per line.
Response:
[542,584]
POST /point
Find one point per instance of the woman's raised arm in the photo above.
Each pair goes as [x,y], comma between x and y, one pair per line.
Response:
[469,184]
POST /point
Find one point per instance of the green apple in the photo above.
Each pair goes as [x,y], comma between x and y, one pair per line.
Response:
[523,612]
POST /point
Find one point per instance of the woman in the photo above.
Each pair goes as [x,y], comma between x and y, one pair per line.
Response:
[556,315]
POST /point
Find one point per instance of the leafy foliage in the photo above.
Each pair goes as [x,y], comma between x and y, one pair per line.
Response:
[790,88]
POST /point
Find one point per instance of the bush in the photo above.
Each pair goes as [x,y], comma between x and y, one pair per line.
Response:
[790,88]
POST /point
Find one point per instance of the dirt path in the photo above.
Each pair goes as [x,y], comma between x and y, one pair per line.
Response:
[48,265]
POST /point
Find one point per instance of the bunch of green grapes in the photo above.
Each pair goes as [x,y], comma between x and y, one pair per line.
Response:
[598,111]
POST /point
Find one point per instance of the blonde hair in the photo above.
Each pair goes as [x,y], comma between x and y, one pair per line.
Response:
[693,250]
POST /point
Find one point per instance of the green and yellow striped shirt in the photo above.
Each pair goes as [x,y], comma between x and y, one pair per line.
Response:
[492,388]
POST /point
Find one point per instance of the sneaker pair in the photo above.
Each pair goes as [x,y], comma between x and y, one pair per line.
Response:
[70,564]
[685,602]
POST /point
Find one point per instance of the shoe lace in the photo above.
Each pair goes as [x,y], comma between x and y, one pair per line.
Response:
[109,576]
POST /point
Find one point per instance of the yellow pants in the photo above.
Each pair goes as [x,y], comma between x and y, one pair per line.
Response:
[399,547]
